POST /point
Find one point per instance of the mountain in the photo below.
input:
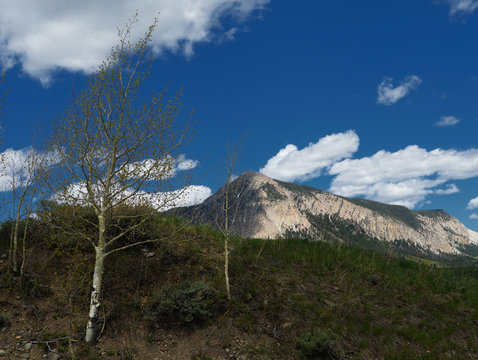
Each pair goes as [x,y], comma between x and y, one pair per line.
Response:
[262,207]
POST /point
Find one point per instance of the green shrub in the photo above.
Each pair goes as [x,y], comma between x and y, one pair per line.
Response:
[4,319]
[182,304]
[317,344]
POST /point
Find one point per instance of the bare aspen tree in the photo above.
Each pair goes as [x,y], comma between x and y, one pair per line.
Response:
[115,150]
[24,170]
[229,205]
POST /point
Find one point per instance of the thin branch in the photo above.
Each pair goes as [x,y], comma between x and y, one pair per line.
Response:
[147,241]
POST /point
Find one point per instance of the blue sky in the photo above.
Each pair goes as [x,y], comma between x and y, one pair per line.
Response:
[374,99]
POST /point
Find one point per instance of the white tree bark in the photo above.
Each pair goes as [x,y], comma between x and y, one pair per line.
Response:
[15,244]
[226,239]
[226,266]
[92,326]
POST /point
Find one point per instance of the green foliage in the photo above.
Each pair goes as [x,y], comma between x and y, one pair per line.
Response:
[32,235]
[317,344]
[67,226]
[4,319]
[397,212]
[436,214]
[182,304]
[5,230]
[471,250]
[373,303]
[334,229]
[62,224]
[272,193]
[366,305]
[300,189]
[150,338]
[200,356]
[126,354]
[31,287]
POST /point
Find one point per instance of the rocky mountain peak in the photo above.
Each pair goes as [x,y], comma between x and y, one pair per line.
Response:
[262,207]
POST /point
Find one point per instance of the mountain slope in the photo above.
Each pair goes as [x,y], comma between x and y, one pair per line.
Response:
[266,208]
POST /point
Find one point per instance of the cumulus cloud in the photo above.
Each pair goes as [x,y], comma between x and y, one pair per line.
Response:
[186,164]
[291,164]
[164,169]
[159,170]
[76,36]
[473,204]
[388,94]
[462,6]
[228,35]
[474,216]
[189,196]
[404,177]
[77,194]
[18,166]
[450,189]
[447,121]
[11,168]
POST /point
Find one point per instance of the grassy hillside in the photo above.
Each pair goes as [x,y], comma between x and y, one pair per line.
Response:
[334,229]
[293,299]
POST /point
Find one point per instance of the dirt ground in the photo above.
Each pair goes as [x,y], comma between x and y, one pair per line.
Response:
[33,331]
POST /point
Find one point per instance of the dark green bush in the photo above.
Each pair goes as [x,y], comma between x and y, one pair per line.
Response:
[182,304]
[4,319]
[317,344]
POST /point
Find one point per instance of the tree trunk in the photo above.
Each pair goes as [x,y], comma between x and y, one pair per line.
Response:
[10,252]
[24,251]
[226,241]
[226,266]
[15,246]
[92,327]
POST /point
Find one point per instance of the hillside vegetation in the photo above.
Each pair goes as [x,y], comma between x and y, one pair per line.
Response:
[292,299]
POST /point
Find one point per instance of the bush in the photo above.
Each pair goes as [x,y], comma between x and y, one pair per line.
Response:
[317,344]
[182,304]
[4,319]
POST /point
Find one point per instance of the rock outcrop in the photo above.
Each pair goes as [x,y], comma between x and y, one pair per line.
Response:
[262,207]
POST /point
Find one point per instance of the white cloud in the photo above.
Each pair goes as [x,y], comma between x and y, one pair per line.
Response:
[47,35]
[159,170]
[473,204]
[163,170]
[447,121]
[451,189]
[404,177]
[18,166]
[11,168]
[186,164]
[191,195]
[291,164]
[474,216]
[228,35]
[462,6]
[388,95]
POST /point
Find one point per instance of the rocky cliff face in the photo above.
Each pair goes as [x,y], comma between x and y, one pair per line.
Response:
[262,207]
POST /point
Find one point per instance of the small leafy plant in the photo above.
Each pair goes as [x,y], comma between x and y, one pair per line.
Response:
[182,304]
[4,319]
[317,344]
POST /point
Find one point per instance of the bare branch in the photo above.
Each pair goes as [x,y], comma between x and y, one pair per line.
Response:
[115,151]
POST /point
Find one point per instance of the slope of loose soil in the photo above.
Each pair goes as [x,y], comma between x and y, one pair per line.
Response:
[370,306]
